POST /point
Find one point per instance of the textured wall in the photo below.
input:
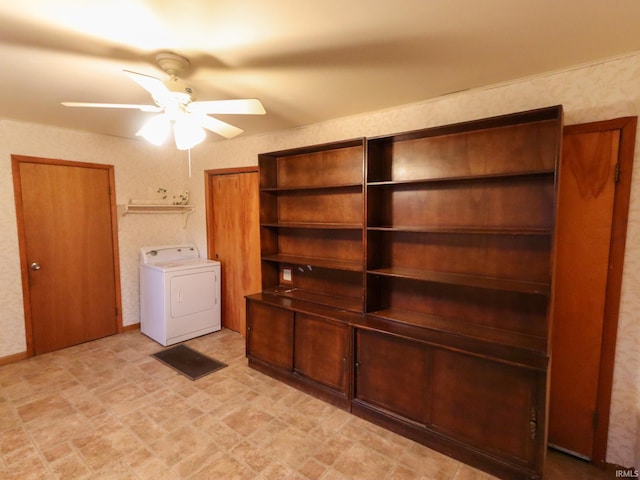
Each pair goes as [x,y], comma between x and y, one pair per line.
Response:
[590,93]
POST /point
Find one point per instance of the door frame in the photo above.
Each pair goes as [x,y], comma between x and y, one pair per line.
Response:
[210,208]
[209,212]
[627,128]
[16,160]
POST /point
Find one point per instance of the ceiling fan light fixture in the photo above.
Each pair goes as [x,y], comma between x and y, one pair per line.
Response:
[187,132]
[156,130]
[179,109]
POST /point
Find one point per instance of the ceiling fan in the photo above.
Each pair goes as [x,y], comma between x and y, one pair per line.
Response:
[174,101]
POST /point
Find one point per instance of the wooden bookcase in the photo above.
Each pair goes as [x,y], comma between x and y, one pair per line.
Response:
[312,247]
[430,259]
[459,228]
[311,223]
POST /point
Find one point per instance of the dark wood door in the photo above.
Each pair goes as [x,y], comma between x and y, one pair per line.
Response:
[489,405]
[233,231]
[68,250]
[592,212]
[270,335]
[320,351]
[392,374]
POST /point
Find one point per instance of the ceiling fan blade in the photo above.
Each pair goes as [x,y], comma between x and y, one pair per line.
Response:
[155,87]
[144,108]
[218,126]
[246,106]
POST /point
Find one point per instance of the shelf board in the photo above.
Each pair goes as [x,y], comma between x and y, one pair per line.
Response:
[465,330]
[477,230]
[156,208]
[312,187]
[315,225]
[315,262]
[476,281]
[465,178]
[342,303]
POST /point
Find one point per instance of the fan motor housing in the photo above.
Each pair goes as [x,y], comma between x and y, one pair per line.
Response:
[172,63]
[175,65]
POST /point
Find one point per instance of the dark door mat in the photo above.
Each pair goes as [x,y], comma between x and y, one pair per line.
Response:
[188,362]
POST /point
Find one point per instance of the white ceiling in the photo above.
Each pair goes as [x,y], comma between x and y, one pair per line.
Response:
[307,60]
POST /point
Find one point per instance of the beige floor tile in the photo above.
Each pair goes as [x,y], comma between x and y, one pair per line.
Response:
[106,410]
[224,467]
[253,456]
[361,462]
[247,419]
[332,449]
[155,469]
[191,464]
[293,446]
[70,467]
[67,425]
[312,470]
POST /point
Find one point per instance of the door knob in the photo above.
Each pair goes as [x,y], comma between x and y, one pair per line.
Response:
[35,266]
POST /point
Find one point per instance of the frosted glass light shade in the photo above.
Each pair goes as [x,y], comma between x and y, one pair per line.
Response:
[187,132]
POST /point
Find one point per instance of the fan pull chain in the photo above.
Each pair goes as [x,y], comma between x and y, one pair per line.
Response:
[189,154]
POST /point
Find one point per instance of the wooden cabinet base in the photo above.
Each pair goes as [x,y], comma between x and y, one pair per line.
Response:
[308,346]
[443,444]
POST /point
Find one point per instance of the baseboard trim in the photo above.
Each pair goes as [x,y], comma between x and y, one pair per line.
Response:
[131,328]
[16,357]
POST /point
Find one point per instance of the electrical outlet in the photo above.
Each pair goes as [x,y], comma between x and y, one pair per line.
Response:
[286,275]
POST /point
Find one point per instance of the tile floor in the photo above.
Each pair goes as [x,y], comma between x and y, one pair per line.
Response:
[107,410]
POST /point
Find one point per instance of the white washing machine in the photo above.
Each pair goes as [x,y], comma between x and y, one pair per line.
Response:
[179,293]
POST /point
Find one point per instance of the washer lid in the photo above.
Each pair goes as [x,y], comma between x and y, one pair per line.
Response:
[168,253]
[188,266]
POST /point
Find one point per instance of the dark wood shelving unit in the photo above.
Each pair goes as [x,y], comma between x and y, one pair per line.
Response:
[408,278]
[312,243]
[460,224]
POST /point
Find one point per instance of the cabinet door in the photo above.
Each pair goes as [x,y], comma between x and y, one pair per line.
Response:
[321,351]
[270,335]
[392,374]
[486,404]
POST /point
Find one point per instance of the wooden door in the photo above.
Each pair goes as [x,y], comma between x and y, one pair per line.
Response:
[593,198]
[68,249]
[233,233]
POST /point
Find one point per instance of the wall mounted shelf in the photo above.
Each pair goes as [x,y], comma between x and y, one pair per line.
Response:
[154,208]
